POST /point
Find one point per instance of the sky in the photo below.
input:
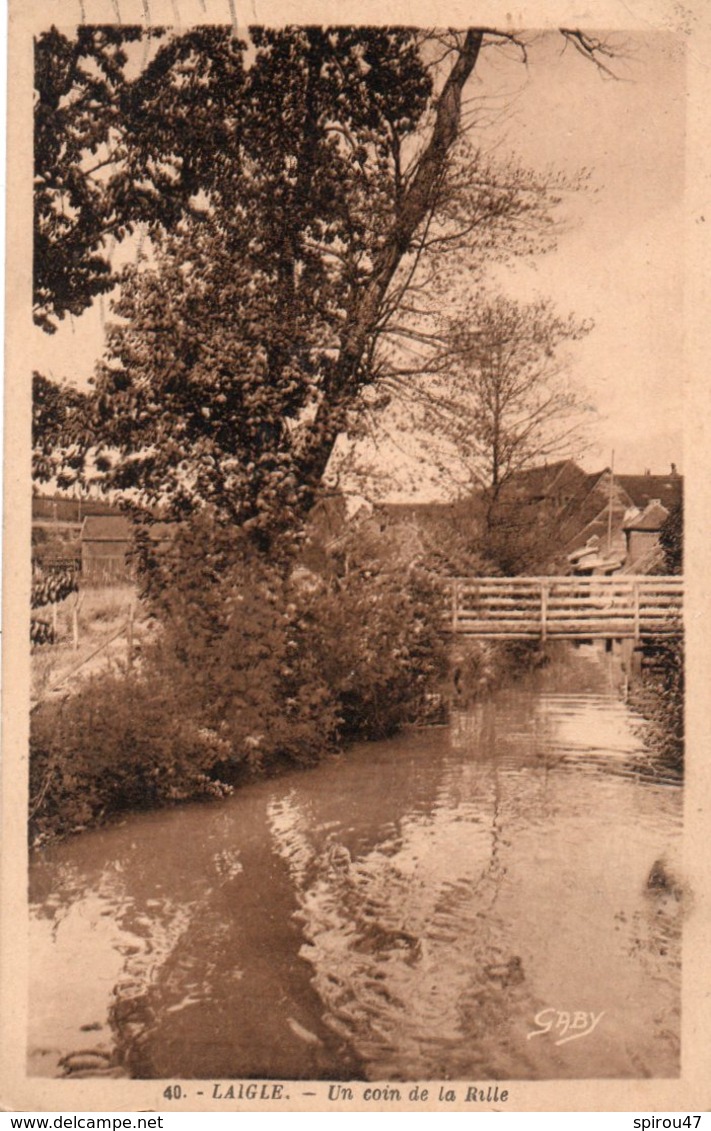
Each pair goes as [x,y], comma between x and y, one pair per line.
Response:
[619,261]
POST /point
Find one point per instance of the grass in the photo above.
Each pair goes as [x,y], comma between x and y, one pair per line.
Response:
[101,614]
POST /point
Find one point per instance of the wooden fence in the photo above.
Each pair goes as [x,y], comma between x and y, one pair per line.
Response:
[568,608]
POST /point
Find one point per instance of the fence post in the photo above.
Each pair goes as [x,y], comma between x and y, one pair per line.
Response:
[75,624]
[455,600]
[130,635]
[544,611]
[635,601]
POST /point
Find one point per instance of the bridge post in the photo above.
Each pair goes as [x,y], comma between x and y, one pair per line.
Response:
[635,598]
[544,611]
[455,605]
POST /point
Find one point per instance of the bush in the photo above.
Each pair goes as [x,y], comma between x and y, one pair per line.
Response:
[671,539]
[661,700]
[378,643]
[121,742]
[227,644]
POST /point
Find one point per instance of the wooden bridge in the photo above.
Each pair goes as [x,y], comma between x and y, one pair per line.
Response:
[626,607]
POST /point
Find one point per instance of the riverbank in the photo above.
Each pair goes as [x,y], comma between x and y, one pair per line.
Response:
[659,697]
[127,741]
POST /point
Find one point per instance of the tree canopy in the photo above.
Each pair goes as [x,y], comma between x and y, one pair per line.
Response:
[308,195]
[503,401]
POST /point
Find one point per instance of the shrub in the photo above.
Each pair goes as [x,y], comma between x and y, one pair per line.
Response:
[227,645]
[661,700]
[378,644]
[353,650]
[121,742]
[671,539]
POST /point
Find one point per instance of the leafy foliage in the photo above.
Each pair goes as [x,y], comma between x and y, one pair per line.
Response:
[379,645]
[59,437]
[113,151]
[121,742]
[671,539]
[41,631]
[230,341]
[53,587]
[78,84]
[661,700]
[49,589]
[227,647]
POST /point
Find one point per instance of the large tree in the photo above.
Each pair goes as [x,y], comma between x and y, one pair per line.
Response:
[498,395]
[320,178]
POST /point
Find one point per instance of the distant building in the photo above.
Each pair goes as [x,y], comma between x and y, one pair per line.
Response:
[642,529]
[590,523]
[600,521]
[105,548]
[668,490]
[56,529]
[91,536]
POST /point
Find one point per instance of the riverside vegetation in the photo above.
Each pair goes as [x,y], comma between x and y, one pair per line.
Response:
[661,696]
[251,668]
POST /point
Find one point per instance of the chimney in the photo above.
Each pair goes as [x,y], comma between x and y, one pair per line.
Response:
[674,471]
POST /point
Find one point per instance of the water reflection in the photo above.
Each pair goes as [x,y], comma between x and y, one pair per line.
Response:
[404,911]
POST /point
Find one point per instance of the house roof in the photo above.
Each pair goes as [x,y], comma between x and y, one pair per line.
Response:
[118,528]
[652,518]
[61,509]
[414,512]
[106,528]
[587,512]
[643,488]
[537,482]
[597,526]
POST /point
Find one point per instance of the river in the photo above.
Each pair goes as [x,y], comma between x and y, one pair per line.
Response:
[496,899]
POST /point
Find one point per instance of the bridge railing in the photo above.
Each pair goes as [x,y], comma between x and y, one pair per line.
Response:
[629,606]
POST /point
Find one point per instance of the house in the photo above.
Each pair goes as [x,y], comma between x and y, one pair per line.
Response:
[598,520]
[56,529]
[550,487]
[591,560]
[641,490]
[596,512]
[642,529]
[105,548]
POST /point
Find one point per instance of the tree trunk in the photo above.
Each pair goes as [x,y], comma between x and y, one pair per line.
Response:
[415,205]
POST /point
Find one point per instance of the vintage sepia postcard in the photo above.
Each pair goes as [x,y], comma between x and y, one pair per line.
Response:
[355,617]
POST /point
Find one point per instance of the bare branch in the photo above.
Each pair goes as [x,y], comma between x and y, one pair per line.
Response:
[591,48]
